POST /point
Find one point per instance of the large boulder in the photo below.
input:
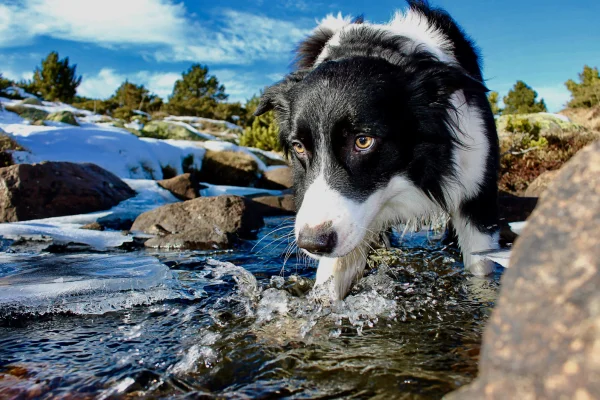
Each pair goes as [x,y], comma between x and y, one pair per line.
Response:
[543,339]
[540,184]
[66,117]
[52,189]
[229,168]
[168,130]
[202,223]
[184,186]
[277,178]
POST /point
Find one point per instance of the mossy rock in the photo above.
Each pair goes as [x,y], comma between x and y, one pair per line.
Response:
[32,101]
[166,130]
[65,117]
[29,113]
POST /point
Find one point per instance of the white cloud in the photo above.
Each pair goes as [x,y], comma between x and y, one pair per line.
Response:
[163,28]
[102,22]
[241,39]
[105,83]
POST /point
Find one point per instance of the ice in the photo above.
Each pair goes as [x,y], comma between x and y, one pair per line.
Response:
[517,227]
[217,190]
[63,234]
[66,229]
[84,283]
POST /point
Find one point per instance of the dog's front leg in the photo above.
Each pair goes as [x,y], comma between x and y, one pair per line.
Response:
[472,239]
[338,274]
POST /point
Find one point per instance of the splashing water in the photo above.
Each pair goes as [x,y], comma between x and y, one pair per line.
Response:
[231,325]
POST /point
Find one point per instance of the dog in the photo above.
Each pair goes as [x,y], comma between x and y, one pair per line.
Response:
[383,124]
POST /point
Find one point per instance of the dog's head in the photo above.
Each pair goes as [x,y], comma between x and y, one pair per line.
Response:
[362,132]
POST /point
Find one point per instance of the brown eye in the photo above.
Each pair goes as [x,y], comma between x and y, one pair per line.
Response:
[364,142]
[299,147]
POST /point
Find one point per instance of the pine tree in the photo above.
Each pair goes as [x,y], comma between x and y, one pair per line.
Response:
[56,80]
[587,92]
[521,99]
[197,93]
[493,98]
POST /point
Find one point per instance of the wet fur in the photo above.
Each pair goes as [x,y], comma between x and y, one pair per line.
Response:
[415,84]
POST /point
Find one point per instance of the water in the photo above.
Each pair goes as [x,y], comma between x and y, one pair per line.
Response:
[198,325]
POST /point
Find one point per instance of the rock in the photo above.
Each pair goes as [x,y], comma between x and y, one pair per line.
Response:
[277,178]
[167,130]
[202,223]
[268,160]
[32,101]
[228,168]
[184,187]
[29,113]
[275,205]
[52,189]
[540,184]
[94,226]
[7,146]
[66,117]
[543,339]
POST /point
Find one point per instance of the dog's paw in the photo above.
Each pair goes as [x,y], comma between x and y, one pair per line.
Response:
[482,266]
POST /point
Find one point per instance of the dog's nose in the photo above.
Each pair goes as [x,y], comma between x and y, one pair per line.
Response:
[320,239]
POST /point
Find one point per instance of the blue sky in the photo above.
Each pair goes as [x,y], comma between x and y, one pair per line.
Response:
[248,44]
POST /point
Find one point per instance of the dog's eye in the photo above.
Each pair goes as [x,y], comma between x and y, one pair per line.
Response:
[299,147]
[364,142]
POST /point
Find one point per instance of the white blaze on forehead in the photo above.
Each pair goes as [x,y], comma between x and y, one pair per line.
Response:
[410,24]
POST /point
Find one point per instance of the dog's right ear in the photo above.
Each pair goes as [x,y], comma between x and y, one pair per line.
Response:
[276,96]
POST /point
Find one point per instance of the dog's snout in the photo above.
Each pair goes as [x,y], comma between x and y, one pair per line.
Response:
[320,239]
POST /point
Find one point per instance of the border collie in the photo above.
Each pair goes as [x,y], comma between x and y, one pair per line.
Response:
[387,124]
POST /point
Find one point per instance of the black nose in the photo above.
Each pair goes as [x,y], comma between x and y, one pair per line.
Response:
[318,240]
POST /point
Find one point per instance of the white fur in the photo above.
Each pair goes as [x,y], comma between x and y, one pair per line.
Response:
[471,241]
[357,224]
[409,24]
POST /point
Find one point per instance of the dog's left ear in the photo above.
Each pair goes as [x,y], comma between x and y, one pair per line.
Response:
[276,96]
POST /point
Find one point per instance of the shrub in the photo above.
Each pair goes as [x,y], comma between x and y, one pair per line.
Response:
[263,134]
[586,93]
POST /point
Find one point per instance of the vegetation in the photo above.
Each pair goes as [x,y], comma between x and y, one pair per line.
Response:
[493,98]
[521,99]
[4,83]
[196,94]
[586,93]
[55,79]
[263,134]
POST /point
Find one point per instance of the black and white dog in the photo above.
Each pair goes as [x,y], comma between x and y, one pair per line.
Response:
[387,124]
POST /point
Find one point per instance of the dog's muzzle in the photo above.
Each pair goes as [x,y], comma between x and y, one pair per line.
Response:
[318,240]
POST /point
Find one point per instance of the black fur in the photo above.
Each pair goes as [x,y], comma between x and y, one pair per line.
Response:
[378,84]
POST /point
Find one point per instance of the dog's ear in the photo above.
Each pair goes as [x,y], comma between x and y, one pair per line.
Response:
[433,82]
[276,96]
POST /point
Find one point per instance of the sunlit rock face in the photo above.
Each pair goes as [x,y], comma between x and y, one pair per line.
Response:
[543,338]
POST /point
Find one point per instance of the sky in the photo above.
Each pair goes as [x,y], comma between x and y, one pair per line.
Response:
[248,44]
